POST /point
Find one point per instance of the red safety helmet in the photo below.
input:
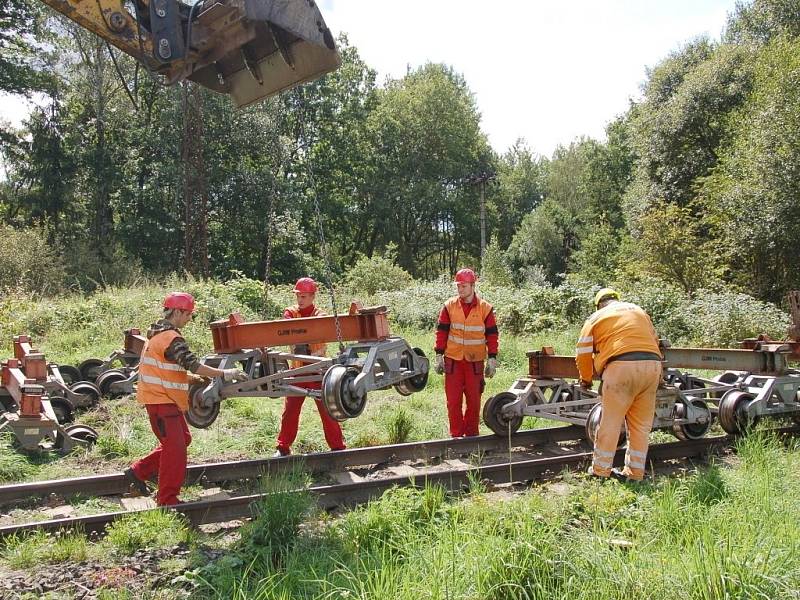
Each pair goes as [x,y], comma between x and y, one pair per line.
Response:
[305,285]
[466,276]
[179,300]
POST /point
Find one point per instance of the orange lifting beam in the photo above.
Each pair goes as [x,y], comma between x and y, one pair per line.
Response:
[234,334]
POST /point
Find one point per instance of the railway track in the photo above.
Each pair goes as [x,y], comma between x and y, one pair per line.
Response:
[328,496]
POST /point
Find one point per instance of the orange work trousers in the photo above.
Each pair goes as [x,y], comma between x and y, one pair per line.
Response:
[628,397]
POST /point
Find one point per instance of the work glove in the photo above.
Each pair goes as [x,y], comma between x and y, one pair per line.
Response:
[491,368]
[586,385]
[438,365]
[234,375]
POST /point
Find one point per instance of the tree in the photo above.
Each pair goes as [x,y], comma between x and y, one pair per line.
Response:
[20,24]
[426,139]
[671,246]
[753,194]
[520,188]
[681,124]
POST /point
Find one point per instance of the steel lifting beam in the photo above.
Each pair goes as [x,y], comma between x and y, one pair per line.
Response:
[764,359]
[234,334]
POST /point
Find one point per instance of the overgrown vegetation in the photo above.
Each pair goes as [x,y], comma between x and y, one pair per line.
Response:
[719,533]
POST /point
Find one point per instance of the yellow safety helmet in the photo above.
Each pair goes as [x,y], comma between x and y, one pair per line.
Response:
[605,294]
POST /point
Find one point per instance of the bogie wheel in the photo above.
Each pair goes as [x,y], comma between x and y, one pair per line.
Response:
[90,369]
[340,400]
[88,390]
[728,377]
[593,424]
[69,374]
[413,384]
[62,409]
[493,415]
[106,378]
[732,414]
[691,431]
[81,433]
[198,415]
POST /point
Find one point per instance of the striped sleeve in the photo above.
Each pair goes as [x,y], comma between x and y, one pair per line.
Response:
[583,352]
[178,351]
[442,331]
[492,335]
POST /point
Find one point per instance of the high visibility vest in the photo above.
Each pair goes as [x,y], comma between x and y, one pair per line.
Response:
[618,328]
[466,339]
[295,311]
[162,381]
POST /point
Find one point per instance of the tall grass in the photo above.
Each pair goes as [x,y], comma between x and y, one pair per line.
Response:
[716,534]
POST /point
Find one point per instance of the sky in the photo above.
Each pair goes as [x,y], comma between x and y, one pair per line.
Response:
[546,71]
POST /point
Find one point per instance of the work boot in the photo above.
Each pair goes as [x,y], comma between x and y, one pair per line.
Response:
[594,475]
[139,485]
[620,476]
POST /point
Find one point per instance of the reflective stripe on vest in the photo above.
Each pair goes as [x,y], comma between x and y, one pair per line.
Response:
[466,339]
[312,348]
[160,380]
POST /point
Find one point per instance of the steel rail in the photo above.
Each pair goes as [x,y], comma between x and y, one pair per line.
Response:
[116,483]
[329,496]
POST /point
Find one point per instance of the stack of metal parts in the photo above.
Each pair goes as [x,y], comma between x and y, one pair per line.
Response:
[38,404]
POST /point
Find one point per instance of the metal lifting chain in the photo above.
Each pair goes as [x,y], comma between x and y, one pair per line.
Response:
[326,255]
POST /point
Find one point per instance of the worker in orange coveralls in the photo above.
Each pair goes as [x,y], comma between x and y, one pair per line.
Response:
[618,341]
[305,291]
[163,388]
[466,337]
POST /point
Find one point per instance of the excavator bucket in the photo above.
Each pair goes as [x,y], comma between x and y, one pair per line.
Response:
[252,49]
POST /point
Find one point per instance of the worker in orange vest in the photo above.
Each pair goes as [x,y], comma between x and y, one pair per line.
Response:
[305,291]
[163,389]
[466,337]
[618,342]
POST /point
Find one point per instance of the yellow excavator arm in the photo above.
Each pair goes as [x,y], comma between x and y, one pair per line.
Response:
[249,49]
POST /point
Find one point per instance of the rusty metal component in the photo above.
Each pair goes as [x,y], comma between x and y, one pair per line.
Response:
[249,49]
[763,358]
[234,334]
[793,334]
[35,367]
[34,423]
[793,299]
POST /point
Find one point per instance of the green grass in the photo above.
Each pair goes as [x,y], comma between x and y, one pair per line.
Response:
[24,551]
[719,533]
[151,529]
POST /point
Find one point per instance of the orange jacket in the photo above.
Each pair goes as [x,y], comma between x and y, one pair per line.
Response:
[162,381]
[466,339]
[294,311]
[616,329]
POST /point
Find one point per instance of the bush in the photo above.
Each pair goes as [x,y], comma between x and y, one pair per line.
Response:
[725,318]
[28,262]
[371,275]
